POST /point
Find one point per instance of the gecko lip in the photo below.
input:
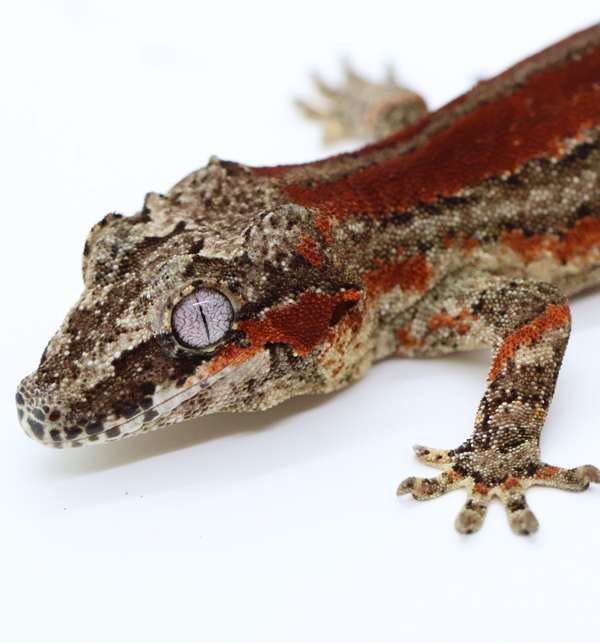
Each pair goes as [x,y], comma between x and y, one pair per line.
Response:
[40,425]
[48,421]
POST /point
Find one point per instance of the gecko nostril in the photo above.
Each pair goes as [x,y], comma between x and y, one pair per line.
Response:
[54,416]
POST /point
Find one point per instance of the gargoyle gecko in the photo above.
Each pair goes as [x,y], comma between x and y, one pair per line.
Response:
[463,228]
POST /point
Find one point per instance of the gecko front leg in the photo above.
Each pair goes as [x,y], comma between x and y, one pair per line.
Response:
[527,324]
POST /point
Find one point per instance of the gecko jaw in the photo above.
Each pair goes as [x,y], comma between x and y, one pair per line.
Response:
[36,410]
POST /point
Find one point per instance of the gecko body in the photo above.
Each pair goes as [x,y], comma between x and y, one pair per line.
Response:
[242,287]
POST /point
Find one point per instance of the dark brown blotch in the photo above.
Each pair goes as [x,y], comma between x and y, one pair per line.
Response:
[150,415]
[73,432]
[94,428]
[148,388]
[36,428]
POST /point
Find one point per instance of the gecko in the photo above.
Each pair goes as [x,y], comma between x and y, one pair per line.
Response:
[453,230]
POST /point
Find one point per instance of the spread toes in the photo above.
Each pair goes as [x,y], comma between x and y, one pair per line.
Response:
[474,470]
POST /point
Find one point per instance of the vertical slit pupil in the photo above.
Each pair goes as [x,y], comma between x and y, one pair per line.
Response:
[205,323]
[202,318]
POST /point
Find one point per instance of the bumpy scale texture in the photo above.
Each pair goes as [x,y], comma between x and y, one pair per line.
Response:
[467,228]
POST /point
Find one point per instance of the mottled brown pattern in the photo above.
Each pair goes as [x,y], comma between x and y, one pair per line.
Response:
[466,229]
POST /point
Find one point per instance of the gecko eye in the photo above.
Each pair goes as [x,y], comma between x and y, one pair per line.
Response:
[202,318]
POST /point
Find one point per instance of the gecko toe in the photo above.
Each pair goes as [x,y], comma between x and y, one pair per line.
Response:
[437,458]
[472,515]
[520,517]
[428,488]
[577,479]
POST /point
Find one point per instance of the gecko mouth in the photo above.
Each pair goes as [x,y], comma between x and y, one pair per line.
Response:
[45,420]
[38,423]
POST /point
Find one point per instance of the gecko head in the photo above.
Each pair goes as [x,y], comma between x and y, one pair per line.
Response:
[218,296]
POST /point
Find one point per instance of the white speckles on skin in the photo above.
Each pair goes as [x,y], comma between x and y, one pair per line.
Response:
[427,279]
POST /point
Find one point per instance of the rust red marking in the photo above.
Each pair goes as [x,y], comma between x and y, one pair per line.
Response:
[324,225]
[302,325]
[449,241]
[554,317]
[444,320]
[511,482]
[412,274]
[468,243]
[494,139]
[308,249]
[452,476]
[548,472]
[581,238]
[529,248]
[584,235]
[222,358]
[481,489]
[407,340]
[347,327]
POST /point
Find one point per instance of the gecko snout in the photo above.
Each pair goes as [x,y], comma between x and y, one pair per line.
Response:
[49,421]
[41,418]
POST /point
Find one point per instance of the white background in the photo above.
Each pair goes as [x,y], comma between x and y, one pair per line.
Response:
[281,526]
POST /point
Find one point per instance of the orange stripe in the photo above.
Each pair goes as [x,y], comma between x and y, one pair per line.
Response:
[554,317]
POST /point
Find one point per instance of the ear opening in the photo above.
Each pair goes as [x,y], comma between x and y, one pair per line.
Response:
[339,311]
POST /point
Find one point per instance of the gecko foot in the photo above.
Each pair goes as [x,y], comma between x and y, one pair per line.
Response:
[364,110]
[486,474]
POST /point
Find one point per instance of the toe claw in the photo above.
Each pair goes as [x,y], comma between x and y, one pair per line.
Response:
[406,486]
[468,521]
[589,473]
[523,522]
